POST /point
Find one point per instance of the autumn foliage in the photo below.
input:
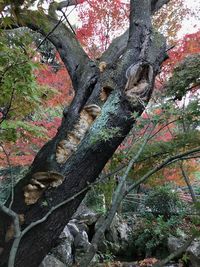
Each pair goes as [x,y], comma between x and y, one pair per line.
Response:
[101,22]
[57,93]
[189,45]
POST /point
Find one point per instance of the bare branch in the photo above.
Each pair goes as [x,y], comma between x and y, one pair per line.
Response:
[72,29]
[68,3]
[54,6]
[49,33]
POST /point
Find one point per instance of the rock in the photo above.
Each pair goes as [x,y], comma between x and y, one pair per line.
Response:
[174,243]
[66,234]
[119,235]
[73,228]
[74,242]
[85,215]
[124,231]
[81,245]
[63,251]
[82,227]
[81,241]
[194,253]
[51,261]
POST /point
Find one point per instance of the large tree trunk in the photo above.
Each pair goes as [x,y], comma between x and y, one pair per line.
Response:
[141,48]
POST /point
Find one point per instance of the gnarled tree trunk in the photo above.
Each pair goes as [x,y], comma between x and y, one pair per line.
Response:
[127,69]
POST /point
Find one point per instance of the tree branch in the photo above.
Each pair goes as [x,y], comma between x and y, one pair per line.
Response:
[116,48]
[55,6]
[49,33]
[66,43]
[140,16]
[119,44]
[160,166]
[68,22]
[157,4]
[68,3]
[17,231]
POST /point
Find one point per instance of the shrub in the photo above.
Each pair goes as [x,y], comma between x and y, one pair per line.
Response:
[162,200]
[163,210]
[152,233]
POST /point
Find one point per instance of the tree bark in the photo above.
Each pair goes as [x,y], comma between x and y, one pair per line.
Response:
[102,138]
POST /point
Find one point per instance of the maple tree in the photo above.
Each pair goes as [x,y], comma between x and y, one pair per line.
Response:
[101,22]
[180,82]
[189,45]
[173,13]
[138,45]
[55,93]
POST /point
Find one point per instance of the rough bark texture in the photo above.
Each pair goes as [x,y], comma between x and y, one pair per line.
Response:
[141,43]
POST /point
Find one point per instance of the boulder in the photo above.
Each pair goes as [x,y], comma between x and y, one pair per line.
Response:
[73,229]
[193,251]
[63,251]
[51,261]
[174,243]
[119,235]
[82,227]
[74,240]
[81,241]
[81,245]
[86,215]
